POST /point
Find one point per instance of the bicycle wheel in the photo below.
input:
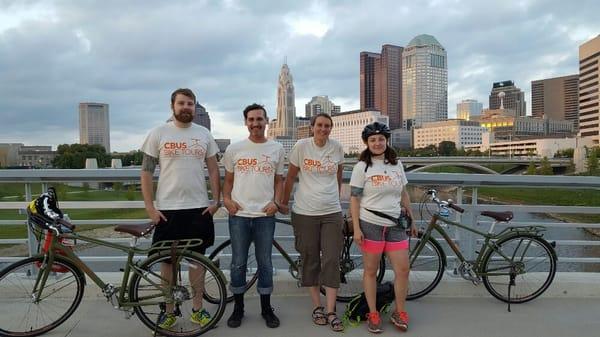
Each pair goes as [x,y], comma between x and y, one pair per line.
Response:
[221,257]
[351,272]
[146,290]
[532,258]
[22,312]
[426,269]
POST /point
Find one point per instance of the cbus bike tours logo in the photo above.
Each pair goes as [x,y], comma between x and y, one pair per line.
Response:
[253,165]
[327,166]
[181,149]
[381,180]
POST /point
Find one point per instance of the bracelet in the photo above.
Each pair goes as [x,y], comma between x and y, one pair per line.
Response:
[276,205]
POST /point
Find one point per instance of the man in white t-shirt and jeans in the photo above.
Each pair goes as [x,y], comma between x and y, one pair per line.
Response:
[182,209]
[253,182]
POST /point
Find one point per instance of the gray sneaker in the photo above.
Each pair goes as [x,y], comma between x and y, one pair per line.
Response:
[400,320]
[374,322]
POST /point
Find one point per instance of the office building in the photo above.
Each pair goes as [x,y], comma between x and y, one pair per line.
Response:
[381,82]
[321,104]
[424,82]
[589,91]
[468,108]
[459,131]
[202,117]
[556,98]
[94,124]
[513,97]
[285,123]
[348,126]
[505,126]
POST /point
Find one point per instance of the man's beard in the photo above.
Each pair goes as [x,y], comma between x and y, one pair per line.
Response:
[184,116]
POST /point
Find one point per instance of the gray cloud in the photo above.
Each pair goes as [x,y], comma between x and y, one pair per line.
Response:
[133,54]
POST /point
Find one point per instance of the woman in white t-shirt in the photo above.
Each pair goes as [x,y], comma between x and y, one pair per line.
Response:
[317,215]
[378,196]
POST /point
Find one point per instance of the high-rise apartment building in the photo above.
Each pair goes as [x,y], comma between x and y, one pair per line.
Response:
[468,108]
[589,91]
[202,117]
[513,98]
[424,81]
[285,124]
[321,104]
[94,125]
[381,83]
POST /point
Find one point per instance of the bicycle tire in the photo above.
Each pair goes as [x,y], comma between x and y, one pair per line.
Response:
[351,275]
[61,296]
[144,286]
[426,271]
[527,284]
[221,257]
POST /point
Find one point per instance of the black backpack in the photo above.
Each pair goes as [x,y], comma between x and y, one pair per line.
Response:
[357,309]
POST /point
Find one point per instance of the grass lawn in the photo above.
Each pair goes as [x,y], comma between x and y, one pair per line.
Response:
[548,196]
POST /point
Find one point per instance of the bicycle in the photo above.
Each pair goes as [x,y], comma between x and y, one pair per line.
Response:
[46,289]
[350,265]
[516,265]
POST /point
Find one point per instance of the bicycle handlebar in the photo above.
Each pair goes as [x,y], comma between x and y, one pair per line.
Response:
[66,224]
[442,203]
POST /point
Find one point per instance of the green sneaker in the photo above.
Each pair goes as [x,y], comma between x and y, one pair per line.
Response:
[201,317]
[167,321]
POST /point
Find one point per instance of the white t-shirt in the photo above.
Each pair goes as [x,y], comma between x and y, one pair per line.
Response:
[254,166]
[382,189]
[317,190]
[181,153]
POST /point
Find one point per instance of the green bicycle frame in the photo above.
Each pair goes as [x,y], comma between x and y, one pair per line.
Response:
[82,268]
[488,241]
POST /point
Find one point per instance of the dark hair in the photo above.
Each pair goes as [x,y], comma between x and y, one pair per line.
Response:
[390,156]
[183,91]
[254,106]
[313,119]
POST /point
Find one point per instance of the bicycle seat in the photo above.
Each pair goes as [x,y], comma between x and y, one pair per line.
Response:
[500,216]
[135,230]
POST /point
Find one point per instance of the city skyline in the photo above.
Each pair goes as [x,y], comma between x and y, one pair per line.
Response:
[56,54]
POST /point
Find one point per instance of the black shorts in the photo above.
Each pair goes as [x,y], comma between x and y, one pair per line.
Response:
[186,224]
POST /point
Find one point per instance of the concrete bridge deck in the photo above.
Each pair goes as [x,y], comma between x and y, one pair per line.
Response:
[430,317]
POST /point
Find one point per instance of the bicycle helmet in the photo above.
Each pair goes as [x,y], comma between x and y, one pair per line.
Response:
[375,128]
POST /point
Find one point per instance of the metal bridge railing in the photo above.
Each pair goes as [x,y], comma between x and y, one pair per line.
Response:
[464,187]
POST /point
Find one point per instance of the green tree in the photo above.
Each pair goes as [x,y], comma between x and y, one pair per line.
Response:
[73,156]
[118,186]
[447,148]
[592,163]
[531,170]
[130,194]
[130,158]
[566,153]
[545,168]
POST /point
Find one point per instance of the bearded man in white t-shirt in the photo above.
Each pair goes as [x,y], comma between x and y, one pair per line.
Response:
[253,182]
[182,209]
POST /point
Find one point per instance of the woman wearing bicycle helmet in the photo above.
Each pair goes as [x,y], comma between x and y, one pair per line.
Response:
[317,215]
[378,195]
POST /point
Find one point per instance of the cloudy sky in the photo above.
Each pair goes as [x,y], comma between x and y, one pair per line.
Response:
[132,54]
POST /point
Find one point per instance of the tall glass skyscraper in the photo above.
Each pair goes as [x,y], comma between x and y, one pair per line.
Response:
[424,81]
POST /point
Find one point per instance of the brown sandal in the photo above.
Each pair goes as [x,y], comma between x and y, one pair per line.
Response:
[335,323]
[318,316]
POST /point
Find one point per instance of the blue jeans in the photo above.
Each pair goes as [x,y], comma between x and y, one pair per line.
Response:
[243,231]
